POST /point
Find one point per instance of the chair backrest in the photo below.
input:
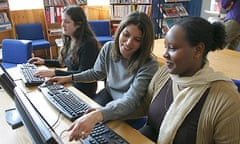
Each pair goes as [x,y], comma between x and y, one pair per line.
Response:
[32,31]
[16,51]
[100,27]
[237,83]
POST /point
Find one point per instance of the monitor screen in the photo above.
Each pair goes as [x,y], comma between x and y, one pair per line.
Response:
[35,125]
[6,81]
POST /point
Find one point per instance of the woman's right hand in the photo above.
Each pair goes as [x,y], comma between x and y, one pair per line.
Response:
[36,60]
[60,79]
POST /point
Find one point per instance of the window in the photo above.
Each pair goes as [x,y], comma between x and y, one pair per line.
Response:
[30,4]
[38,4]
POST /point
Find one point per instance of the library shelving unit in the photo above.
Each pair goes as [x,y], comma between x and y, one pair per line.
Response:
[166,13]
[53,16]
[121,8]
[6,30]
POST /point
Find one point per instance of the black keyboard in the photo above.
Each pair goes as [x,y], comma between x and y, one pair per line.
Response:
[73,107]
[28,70]
[101,134]
[64,100]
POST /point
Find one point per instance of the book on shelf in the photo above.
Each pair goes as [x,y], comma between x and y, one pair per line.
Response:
[4,18]
[144,8]
[181,9]
[169,10]
[56,31]
[176,0]
[6,26]
[2,21]
[120,11]
[114,28]
[4,5]
[63,2]
[53,14]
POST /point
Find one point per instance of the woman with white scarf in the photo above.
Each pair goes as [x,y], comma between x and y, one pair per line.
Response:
[190,102]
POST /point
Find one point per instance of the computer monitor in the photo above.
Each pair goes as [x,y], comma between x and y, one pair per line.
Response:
[6,81]
[35,125]
[8,84]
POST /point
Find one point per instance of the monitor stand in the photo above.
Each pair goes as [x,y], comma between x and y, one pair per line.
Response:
[13,118]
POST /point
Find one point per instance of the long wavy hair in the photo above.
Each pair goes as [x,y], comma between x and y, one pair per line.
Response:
[82,33]
[145,25]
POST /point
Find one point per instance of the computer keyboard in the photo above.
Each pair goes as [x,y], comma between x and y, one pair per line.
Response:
[101,134]
[28,70]
[73,107]
[64,100]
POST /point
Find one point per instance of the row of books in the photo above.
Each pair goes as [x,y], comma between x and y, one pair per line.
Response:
[120,11]
[63,2]
[53,14]
[130,1]
[171,10]
[175,0]
[4,21]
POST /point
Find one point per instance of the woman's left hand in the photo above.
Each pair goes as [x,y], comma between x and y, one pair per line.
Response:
[45,73]
[83,126]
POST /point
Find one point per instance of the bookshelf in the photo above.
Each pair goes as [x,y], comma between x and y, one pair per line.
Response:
[6,30]
[53,17]
[121,8]
[166,13]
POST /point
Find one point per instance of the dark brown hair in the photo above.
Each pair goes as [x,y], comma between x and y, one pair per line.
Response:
[145,25]
[82,33]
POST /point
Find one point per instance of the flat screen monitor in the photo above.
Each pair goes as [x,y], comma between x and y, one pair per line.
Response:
[6,81]
[35,125]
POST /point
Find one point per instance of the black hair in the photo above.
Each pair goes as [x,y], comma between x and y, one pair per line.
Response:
[199,30]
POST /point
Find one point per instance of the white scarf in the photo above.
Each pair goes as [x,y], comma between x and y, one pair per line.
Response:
[185,100]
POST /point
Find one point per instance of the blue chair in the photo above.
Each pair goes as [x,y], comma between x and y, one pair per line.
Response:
[34,32]
[15,52]
[137,123]
[238,48]
[101,28]
[237,83]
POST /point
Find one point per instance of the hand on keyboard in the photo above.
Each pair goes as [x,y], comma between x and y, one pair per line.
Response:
[36,60]
[45,73]
[74,107]
[28,74]
[60,79]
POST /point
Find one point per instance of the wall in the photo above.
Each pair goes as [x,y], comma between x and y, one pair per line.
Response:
[98,12]
[28,16]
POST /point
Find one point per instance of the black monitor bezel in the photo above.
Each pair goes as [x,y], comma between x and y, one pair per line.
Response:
[36,127]
[7,82]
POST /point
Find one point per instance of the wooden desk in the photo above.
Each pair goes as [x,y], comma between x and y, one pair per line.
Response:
[8,135]
[20,135]
[226,61]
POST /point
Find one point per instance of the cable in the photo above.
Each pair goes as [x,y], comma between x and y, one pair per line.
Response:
[54,125]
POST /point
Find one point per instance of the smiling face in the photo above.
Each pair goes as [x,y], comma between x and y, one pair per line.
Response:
[130,40]
[68,25]
[181,58]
